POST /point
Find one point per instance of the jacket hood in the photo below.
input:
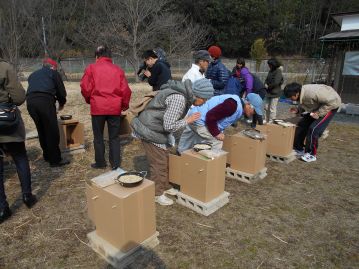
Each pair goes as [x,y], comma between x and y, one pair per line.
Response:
[164,62]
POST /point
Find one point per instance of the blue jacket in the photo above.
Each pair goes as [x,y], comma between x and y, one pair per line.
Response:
[234,86]
[219,75]
[213,102]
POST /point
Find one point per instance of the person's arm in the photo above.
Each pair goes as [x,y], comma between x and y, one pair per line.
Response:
[222,77]
[219,112]
[87,85]
[172,121]
[125,92]
[154,72]
[13,86]
[60,89]
[248,79]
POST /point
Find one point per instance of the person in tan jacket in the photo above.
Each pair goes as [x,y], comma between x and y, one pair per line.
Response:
[12,142]
[320,103]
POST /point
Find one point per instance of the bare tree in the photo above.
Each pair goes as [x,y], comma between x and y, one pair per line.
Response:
[131,26]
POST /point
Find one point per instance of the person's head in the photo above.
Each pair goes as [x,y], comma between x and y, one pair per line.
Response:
[273,63]
[50,63]
[215,52]
[241,62]
[253,104]
[202,90]
[103,51]
[202,59]
[150,57]
[292,91]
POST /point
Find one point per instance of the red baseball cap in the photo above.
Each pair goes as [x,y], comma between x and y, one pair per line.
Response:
[51,62]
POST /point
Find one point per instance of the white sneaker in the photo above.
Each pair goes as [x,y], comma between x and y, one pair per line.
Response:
[171,191]
[308,158]
[163,200]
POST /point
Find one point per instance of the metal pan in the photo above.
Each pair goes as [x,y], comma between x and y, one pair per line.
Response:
[66,117]
[195,147]
[141,174]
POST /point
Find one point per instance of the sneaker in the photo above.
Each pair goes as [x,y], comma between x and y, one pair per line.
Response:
[29,199]
[299,153]
[163,200]
[60,163]
[171,191]
[307,157]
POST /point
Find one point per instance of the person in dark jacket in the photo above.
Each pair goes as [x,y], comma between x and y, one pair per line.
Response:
[273,84]
[13,143]
[104,86]
[44,89]
[158,71]
[217,72]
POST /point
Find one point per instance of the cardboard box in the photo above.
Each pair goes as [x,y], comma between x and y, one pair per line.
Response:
[175,168]
[124,217]
[280,139]
[71,134]
[125,126]
[245,154]
[199,177]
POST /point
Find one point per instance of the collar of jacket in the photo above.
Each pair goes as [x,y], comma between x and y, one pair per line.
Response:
[104,59]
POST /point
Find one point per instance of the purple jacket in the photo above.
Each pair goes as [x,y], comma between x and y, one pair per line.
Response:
[248,79]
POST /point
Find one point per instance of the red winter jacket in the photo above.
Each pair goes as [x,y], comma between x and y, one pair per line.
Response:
[105,88]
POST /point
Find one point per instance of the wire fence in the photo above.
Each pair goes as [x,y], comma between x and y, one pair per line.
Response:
[305,70]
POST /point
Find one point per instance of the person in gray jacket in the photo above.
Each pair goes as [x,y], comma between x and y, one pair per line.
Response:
[162,116]
[13,142]
[320,103]
[273,85]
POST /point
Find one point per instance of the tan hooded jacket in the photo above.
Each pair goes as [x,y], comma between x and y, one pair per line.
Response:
[319,98]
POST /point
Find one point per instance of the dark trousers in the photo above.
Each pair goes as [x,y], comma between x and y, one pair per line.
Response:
[42,110]
[158,161]
[18,153]
[310,130]
[113,123]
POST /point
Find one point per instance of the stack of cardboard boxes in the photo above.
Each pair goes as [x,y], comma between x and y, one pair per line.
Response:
[124,217]
[71,136]
[201,180]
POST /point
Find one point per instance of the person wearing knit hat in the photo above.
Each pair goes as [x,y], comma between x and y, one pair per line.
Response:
[199,67]
[45,88]
[217,72]
[163,116]
[217,114]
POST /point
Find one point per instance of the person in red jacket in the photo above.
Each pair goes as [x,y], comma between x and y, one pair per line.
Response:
[105,88]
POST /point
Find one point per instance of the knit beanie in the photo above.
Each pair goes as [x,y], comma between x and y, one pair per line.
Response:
[203,88]
[50,62]
[215,51]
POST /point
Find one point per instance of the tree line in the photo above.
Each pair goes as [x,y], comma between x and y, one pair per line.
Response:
[62,28]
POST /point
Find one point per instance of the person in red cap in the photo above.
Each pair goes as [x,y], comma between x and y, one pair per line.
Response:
[45,88]
[217,72]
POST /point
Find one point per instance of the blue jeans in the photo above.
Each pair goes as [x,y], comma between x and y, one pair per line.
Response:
[18,153]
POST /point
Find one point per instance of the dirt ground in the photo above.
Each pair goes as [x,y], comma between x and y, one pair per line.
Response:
[300,216]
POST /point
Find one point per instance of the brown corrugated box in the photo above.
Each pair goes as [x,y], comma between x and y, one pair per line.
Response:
[245,154]
[199,177]
[280,138]
[125,127]
[71,134]
[124,217]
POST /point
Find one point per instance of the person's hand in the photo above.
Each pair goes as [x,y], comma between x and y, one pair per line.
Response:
[147,73]
[61,108]
[220,137]
[193,117]
[314,115]
[294,110]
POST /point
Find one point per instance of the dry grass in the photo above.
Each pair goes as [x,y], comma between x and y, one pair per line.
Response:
[300,216]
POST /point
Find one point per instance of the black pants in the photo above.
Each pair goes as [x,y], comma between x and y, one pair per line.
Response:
[113,123]
[42,110]
[310,130]
[18,153]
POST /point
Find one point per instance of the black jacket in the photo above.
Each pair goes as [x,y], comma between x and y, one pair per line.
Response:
[160,74]
[46,80]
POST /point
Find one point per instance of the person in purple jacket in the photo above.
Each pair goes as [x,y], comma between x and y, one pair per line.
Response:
[242,72]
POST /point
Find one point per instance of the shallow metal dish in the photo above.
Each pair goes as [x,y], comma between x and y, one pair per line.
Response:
[141,176]
[195,147]
[66,117]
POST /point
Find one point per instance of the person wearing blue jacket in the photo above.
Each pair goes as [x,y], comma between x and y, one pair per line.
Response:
[217,72]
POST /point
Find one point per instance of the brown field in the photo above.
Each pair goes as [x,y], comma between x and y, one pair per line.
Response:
[300,216]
